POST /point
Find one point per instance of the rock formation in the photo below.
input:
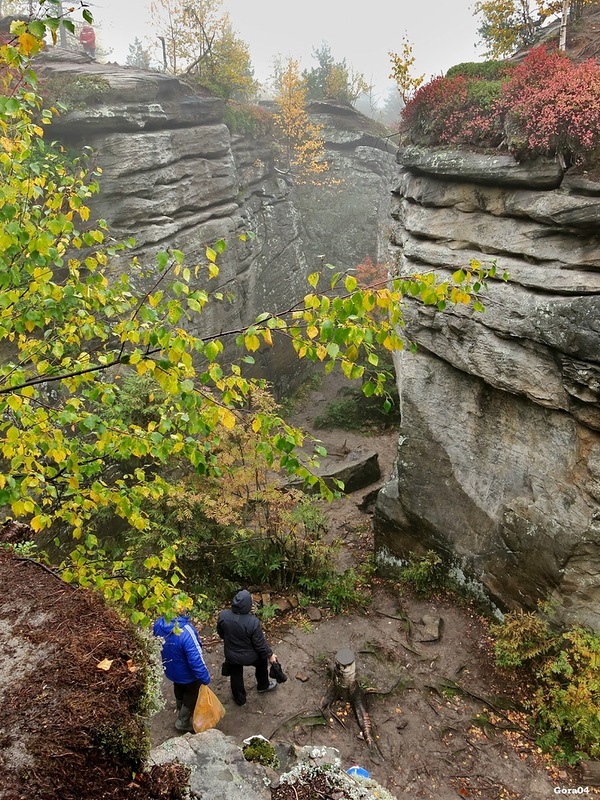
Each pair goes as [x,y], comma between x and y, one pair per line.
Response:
[174,176]
[499,458]
[345,213]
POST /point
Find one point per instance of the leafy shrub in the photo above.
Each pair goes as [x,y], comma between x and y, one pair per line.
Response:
[426,573]
[543,106]
[355,412]
[493,70]
[484,94]
[340,591]
[554,102]
[248,119]
[346,590]
[73,92]
[522,637]
[564,668]
[568,698]
[426,113]
[457,109]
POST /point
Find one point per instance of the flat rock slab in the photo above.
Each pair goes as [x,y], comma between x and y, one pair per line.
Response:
[219,770]
[357,470]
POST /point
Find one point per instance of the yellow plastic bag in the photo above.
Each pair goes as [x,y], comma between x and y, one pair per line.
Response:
[208,711]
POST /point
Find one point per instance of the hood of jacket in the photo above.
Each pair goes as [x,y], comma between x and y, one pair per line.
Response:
[242,602]
[164,628]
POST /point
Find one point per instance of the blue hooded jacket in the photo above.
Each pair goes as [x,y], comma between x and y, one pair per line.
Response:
[182,656]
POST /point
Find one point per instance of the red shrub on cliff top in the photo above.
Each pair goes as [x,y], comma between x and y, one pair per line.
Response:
[555,103]
[545,105]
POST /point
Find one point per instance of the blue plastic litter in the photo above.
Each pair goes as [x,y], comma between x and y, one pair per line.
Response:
[359,771]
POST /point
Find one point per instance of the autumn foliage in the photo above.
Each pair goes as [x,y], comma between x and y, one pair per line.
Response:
[546,105]
[555,103]
[302,146]
[371,273]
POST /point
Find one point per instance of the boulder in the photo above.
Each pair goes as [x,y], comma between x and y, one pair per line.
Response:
[497,169]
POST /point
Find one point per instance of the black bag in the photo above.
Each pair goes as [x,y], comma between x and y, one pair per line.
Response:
[277,672]
[226,669]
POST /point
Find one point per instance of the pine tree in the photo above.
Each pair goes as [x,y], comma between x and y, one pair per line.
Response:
[138,56]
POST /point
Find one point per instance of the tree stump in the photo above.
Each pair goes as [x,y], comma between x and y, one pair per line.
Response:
[346,688]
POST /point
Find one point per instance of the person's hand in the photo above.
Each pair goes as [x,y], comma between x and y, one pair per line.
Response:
[272,659]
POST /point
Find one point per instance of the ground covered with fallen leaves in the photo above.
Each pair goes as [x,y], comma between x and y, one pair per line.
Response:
[71,683]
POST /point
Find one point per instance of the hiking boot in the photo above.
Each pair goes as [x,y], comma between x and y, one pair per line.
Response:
[183,722]
[272,685]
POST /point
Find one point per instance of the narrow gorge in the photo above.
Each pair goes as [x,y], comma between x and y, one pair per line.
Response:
[499,452]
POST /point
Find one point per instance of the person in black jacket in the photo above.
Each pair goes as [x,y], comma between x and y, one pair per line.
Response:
[245,646]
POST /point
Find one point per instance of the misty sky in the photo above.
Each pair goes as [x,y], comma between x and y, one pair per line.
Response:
[443,32]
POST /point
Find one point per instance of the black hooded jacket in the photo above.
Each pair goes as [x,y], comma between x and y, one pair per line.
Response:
[241,632]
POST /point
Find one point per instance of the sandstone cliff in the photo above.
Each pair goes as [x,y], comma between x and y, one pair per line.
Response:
[499,458]
[174,176]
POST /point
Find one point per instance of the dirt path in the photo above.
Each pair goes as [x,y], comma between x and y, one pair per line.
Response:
[428,741]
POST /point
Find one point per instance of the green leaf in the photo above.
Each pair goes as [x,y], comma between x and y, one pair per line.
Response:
[369,388]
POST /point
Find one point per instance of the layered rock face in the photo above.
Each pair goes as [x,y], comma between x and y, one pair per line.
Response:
[345,212]
[499,457]
[175,177]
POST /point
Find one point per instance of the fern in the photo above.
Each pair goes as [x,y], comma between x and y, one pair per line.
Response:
[523,637]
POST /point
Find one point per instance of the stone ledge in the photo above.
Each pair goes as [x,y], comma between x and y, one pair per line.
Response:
[494,169]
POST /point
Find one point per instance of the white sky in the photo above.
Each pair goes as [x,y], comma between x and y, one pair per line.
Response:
[442,32]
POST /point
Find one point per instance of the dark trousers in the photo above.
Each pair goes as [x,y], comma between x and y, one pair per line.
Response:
[186,694]
[261,670]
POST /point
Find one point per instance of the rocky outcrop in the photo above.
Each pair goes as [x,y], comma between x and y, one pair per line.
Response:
[174,176]
[499,458]
[345,211]
[219,771]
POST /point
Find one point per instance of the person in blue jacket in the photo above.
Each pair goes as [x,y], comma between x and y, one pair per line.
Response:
[184,664]
[245,646]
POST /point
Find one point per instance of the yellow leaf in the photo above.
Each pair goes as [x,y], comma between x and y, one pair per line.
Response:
[256,424]
[105,664]
[37,523]
[252,342]
[226,418]
[28,43]
[267,337]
